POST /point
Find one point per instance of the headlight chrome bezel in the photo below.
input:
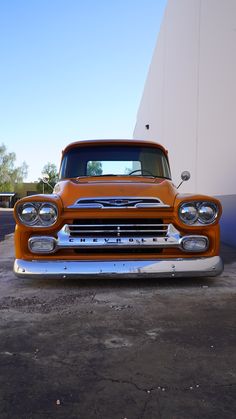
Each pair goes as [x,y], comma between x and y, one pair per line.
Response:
[183,211]
[38,220]
[51,208]
[25,210]
[200,219]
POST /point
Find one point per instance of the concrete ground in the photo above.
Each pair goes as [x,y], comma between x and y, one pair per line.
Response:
[116,349]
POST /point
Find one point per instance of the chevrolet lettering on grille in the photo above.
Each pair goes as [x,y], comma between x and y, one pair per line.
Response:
[112,240]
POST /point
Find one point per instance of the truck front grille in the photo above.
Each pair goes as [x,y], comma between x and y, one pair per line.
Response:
[118,236]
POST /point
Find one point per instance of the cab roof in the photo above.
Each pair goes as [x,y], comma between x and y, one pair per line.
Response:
[108,142]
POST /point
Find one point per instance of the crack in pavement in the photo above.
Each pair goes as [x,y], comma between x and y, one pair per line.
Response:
[165,388]
[148,390]
[142,414]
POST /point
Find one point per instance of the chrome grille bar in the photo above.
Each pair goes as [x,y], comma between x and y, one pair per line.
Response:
[117,229]
[114,225]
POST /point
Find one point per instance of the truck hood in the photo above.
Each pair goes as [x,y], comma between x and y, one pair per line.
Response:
[70,191]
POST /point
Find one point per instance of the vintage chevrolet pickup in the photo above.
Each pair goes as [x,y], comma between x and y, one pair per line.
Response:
[115,212]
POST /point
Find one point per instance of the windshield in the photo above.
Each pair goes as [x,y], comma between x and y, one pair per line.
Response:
[122,160]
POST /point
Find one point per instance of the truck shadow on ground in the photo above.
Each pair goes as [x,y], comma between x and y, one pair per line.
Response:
[228,253]
[119,284]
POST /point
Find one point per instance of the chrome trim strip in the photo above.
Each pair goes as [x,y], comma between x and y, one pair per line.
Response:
[168,268]
[151,205]
[117,242]
[86,206]
[79,204]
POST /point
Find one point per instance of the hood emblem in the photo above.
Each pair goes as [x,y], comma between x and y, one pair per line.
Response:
[118,202]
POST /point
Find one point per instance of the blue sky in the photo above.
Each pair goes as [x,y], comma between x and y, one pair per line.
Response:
[71,70]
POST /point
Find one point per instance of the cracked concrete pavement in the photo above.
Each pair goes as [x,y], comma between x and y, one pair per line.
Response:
[116,349]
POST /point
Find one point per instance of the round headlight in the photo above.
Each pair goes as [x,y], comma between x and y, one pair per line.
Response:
[207,212]
[48,214]
[28,214]
[188,213]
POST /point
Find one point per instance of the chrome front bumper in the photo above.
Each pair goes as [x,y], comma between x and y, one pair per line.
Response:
[168,268]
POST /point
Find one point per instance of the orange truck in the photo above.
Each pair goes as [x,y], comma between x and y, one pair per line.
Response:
[115,212]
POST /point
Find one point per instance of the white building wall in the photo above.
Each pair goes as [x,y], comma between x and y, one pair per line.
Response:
[189,99]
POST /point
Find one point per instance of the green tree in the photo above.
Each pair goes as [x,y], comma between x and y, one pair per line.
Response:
[94,168]
[50,170]
[9,174]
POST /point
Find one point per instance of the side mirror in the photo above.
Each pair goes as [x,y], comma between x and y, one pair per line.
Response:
[184,176]
[45,177]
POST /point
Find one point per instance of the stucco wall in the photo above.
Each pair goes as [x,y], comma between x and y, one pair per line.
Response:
[189,99]
[228,220]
